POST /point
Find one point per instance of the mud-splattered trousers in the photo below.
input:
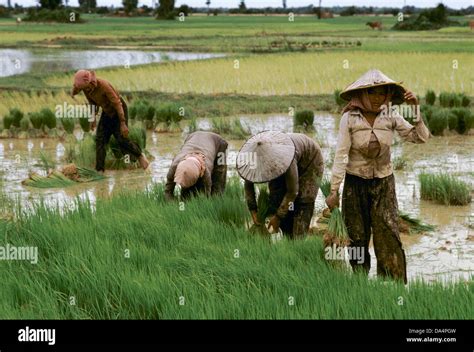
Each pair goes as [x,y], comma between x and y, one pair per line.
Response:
[110,125]
[369,206]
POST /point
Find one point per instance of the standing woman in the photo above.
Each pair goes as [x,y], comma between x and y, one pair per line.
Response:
[369,202]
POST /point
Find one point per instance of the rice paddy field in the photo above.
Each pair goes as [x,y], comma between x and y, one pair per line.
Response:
[113,248]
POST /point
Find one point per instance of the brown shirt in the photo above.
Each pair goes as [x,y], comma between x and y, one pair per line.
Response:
[106,97]
[211,146]
[306,150]
[356,155]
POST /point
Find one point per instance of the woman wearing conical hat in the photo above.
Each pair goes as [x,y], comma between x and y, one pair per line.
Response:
[362,159]
[292,164]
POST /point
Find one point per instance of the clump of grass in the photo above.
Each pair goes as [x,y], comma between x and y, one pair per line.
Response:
[48,117]
[444,189]
[449,100]
[68,124]
[337,98]
[25,124]
[135,134]
[438,122]
[168,117]
[13,118]
[85,124]
[464,119]
[325,187]
[36,119]
[430,97]
[337,231]
[399,163]
[192,125]
[303,120]
[142,110]
[233,128]
[190,253]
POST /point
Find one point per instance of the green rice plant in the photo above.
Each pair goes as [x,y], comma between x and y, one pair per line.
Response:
[145,111]
[449,100]
[444,189]
[430,97]
[427,112]
[135,134]
[336,233]
[303,119]
[46,162]
[465,100]
[84,155]
[13,118]
[399,163]
[201,253]
[325,187]
[464,119]
[439,122]
[85,124]
[55,180]
[25,124]
[415,225]
[68,124]
[232,128]
[238,131]
[36,119]
[192,125]
[169,113]
[337,98]
[48,117]
[452,121]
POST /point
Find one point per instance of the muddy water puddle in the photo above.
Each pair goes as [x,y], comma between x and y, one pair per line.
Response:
[446,254]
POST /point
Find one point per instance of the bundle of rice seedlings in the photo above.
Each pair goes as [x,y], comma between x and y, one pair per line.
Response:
[68,124]
[430,97]
[325,187]
[16,115]
[36,120]
[54,180]
[464,119]
[438,122]
[88,175]
[263,207]
[444,189]
[48,117]
[85,124]
[135,134]
[413,225]
[336,233]
[303,120]
[46,162]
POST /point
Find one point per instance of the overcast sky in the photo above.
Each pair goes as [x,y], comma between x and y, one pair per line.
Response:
[277,3]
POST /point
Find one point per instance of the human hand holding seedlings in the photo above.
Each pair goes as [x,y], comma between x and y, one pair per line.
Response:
[255,217]
[93,125]
[332,200]
[274,223]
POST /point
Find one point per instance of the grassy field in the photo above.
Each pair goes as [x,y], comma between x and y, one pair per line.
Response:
[291,73]
[234,34]
[136,257]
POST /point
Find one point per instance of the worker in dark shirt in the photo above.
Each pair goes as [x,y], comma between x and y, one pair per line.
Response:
[292,164]
[113,121]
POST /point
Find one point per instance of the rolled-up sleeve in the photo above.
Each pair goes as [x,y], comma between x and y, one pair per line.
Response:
[341,157]
[418,133]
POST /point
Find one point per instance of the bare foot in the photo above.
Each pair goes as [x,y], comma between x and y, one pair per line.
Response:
[144,163]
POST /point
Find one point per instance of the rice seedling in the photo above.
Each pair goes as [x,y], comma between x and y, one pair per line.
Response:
[192,125]
[191,253]
[464,119]
[438,122]
[430,97]
[84,152]
[36,119]
[135,134]
[48,118]
[54,180]
[13,118]
[413,224]
[232,128]
[303,120]
[168,117]
[85,124]
[325,187]
[46,162]
[25,124]
[336,233]
[444,189]
[399,163]
[449,100]
[68,125]
[337,98]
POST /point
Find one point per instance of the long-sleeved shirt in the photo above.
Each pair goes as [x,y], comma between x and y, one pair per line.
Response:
[353,154]
[306,150]
[106,97]
[211,145]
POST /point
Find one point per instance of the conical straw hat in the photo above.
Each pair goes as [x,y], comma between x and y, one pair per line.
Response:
[265,156]
[375,78]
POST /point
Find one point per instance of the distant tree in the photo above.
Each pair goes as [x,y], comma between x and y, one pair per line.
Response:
[208,3]
[284,4]
[166,9]
[9,4]
[129,5]
[185,9]
[242,7]
[88,4]
[50,4]
[319,10]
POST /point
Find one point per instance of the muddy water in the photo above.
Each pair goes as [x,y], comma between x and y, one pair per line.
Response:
[444,255]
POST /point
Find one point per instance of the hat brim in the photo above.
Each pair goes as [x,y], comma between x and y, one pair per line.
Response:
[398,94]
[273,157]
